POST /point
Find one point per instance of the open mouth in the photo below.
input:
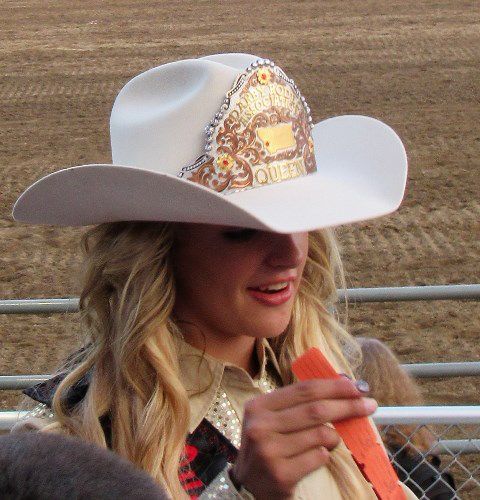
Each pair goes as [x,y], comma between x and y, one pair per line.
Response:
[274,294]
[272,289]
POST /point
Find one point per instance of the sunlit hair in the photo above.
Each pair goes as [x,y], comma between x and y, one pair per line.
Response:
[391,385]
[132,360]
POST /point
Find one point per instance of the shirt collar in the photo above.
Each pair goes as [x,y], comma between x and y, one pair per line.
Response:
[202,374]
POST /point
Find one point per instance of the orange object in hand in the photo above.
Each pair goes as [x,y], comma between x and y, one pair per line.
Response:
[356,433]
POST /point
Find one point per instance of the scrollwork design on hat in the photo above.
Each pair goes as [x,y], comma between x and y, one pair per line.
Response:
[261,134]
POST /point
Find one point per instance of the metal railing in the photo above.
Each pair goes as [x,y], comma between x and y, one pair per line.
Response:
[380,294]
[455,445]
[411,293]
[19,382]
[432,370]
[418,370]
[384,416]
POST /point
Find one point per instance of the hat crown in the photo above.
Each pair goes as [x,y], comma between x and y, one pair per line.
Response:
[158,119]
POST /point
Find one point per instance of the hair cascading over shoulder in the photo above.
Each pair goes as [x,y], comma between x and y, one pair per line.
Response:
[132,354]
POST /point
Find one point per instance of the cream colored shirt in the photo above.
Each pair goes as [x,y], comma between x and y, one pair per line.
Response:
[218,391]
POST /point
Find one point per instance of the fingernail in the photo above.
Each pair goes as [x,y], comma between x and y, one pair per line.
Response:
[370,405]
[345,375]
[362,386]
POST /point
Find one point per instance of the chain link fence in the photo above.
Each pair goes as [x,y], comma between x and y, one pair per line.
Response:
[435,450]
[440,471]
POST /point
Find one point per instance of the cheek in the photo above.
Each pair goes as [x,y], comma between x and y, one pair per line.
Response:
[207,278]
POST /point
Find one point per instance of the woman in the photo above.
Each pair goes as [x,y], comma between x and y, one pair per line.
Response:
[205,247]
[410,446]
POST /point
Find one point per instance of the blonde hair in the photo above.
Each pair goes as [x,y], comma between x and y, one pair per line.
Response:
[132,358]
[391,385]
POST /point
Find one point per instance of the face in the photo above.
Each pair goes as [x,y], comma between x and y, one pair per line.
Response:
[237,282]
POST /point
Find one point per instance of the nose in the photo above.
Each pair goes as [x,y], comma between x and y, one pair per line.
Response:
[288,250]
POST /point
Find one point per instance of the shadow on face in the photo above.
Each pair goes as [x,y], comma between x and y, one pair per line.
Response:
[237,281]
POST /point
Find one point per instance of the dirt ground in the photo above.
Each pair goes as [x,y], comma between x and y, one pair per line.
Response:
[415,65]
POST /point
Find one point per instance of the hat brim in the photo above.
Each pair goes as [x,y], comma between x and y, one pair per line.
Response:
[362,169]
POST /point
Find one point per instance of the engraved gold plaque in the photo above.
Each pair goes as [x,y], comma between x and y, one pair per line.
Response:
[261,134]
[277,138]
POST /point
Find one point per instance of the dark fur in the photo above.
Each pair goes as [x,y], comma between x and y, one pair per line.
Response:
[37,466]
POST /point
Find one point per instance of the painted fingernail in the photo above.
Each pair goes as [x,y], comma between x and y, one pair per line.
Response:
[345,375]
[362,386]
[370,405]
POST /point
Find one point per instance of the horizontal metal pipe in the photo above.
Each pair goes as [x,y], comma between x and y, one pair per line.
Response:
[409,293]
[398,415]
[38,306]
[389,415]
[9,418]
[419,370]
[18,382]
[431,370]
[381,294]
[384,416]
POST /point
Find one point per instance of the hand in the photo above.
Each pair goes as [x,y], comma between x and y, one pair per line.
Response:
[284,436]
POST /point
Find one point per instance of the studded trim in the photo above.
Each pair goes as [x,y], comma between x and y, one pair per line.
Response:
[268,383]
[40,411]
[222,487]
[223,416]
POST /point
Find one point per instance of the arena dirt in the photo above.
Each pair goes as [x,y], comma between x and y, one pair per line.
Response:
[415,65]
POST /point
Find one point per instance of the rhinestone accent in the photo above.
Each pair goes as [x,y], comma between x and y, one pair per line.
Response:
[40,411]
[223,416]
[268,384]
[222,487]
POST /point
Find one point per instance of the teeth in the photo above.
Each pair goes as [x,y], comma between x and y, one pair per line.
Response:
[274,288]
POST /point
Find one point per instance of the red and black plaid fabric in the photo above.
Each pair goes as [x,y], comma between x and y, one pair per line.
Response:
[207,452]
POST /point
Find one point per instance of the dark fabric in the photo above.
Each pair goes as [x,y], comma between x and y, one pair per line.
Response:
[44,391]
[423,475]
[207,451]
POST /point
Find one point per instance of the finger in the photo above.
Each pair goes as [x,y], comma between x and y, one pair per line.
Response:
[309,390]
[296,443]
[307,415]
[297,467]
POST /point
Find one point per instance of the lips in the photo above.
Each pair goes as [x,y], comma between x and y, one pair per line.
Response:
[272,294]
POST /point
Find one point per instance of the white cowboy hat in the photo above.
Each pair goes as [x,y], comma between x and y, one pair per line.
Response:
[226,139]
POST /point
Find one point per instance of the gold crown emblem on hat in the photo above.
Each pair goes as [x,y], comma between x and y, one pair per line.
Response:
[261,134]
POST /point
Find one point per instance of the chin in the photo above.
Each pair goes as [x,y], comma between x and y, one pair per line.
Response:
[270,329]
